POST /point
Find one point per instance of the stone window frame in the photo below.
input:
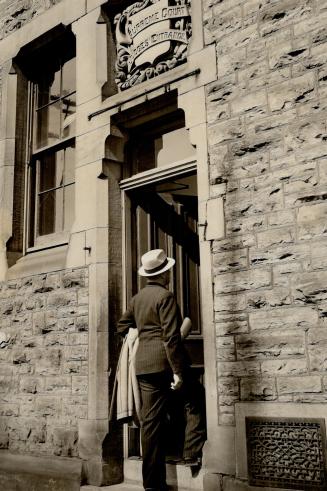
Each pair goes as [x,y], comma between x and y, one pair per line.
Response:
[63,14]
[32,240]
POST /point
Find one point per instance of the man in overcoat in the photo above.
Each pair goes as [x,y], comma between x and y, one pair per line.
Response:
[161,365]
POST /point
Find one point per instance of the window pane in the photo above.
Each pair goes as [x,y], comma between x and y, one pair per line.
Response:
[69,206]
[48,125]
[69,77]
[172,147]
[50,212]
[69,164]
[68,109]
[51,171]
[47,172]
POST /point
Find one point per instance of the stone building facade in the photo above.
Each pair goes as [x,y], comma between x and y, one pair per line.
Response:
[251,96]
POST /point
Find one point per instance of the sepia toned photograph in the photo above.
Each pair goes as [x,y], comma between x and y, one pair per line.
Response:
[163,245]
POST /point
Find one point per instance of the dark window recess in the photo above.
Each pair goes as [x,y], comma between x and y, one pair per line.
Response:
[286,453]
[47,73]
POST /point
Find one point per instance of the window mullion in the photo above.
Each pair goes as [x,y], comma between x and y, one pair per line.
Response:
[63,191]
[37,201]
[60,101]
[28,155]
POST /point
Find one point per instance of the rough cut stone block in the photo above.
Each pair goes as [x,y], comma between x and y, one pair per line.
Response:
[232,243]
[277,16]
[224,24]
[77,338]
[231,62]
[58,385]
[319,255]
[238,368]
[249,102]
[230,261]
[284,367]
[277,122]
[310,287]
[79,385]
[242,280]
[284,53]
[75,368]
[82,323]
[231,325]
[7,409]
[258,389]
[230,303]
[317,344]
[62,299]
[287,318]
[272,345]
[226,354]
[269,298]
[283,273]
[271,238]
[291,385]
[302,133]
[55,339]
[50,364]
[225,131]
[286,253]
[312,221]
[73,278]
[6,384]
[291,92]
[245,225]
[281,218]
[76,353]
[228,386]
[31,384]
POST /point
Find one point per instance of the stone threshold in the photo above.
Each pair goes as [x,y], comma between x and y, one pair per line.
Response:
[125,486]
[179,478]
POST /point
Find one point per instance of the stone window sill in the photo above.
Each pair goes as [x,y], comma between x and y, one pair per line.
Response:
[38,261]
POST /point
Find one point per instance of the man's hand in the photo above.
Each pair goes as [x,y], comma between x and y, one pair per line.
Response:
[177,383]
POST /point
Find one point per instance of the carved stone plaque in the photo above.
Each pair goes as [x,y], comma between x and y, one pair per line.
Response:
[152,37]
[286,452]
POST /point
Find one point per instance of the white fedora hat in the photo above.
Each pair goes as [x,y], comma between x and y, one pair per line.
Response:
[155,262]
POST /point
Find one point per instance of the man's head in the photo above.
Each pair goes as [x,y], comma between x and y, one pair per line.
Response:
[155,263]
[162,278]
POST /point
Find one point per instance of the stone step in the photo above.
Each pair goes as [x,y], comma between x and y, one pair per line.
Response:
[125,486]
[179,478]
[18,472]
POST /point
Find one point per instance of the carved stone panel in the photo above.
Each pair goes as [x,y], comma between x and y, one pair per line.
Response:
[286,452]
[151,37]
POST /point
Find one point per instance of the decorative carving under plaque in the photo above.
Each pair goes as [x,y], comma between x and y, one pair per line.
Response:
[152,37]
[286,452]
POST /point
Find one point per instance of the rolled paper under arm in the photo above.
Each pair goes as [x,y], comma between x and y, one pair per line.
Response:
[186,327]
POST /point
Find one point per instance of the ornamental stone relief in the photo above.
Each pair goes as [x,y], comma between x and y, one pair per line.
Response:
[152,37]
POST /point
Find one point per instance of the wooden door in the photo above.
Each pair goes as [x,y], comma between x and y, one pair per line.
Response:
[164,216]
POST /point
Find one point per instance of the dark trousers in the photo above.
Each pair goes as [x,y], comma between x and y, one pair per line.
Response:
[193,398]
[155,393]
[154,389]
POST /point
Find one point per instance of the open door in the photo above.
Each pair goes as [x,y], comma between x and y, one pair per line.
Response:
[164,214]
